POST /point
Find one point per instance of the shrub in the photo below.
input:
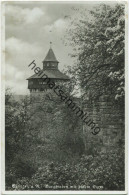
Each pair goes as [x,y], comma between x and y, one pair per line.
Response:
[104,170]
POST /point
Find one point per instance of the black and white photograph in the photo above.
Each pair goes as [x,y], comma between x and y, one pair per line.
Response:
[64,91]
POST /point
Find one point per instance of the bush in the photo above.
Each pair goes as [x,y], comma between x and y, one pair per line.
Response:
[101,172]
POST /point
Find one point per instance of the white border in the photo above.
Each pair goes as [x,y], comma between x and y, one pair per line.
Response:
[3,103]
[3,98]
[64,192]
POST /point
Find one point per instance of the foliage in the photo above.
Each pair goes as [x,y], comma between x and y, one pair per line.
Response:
[16,140]
[98,46]
[36,131]
[44,140]
[101,172]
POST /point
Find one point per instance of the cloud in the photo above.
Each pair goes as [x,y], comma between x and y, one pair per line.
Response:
[18,50]
[58,26]
[33,15]
[13,73]
[27,28]
[15,80]
[19,54]
[18,15]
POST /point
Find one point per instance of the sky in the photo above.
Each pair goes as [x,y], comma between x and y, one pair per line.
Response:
[29,29]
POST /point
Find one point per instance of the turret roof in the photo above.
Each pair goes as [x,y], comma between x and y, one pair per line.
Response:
[52,74]
[50,57]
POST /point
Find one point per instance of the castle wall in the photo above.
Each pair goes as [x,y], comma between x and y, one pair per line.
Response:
[106,113]
[110,118]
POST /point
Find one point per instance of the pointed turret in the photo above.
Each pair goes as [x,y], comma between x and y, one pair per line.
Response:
[50,68]
[50,61]
[50,57]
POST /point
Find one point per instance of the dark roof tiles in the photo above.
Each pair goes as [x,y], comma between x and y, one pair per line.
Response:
[50,57]
[52,74]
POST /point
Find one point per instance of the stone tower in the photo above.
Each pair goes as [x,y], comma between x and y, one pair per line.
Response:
[36,83]
[46,106]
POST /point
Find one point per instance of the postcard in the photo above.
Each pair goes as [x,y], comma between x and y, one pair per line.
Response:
[64,97]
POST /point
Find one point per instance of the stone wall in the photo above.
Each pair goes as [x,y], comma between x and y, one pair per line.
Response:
[105,112]
[109,116]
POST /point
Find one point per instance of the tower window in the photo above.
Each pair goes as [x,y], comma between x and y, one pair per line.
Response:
[42,82]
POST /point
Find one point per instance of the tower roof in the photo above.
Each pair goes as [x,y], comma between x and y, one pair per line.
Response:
[50,57]
[52,74]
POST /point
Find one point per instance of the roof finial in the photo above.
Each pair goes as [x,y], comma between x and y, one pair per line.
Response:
[50,44]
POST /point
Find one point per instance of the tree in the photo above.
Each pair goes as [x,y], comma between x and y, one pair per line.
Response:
[17,146]
[38,133]
[98,44]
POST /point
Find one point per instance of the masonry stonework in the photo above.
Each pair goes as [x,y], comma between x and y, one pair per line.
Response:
[110,118]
